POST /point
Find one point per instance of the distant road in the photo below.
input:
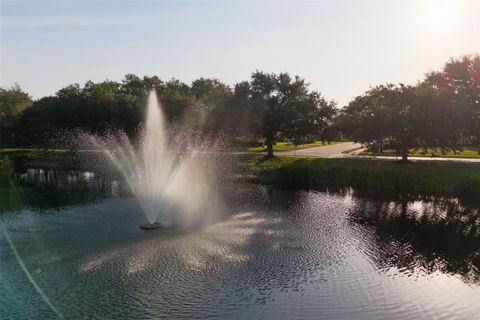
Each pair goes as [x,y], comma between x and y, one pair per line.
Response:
[336,151]
[328,151]
[453,159]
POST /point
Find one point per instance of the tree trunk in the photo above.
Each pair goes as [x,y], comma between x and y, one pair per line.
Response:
[269,144]
[405,155]
[380,146]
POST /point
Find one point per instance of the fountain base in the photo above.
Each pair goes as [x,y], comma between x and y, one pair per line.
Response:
[150,226]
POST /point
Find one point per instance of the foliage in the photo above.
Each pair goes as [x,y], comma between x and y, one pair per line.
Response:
[415,178]
[97,108]
[443,111]
[282,105]
[12,102]
[467,152]
[459,86]
[289,146]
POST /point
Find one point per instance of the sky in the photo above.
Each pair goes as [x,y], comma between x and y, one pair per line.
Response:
[340,48]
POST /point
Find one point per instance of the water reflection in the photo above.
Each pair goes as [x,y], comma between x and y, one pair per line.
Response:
[273,254]
[43,188]
[438,235]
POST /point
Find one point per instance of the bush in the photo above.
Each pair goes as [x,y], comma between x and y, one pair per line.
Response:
[415,178]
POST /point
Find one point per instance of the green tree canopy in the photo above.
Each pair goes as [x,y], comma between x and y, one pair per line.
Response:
[458,84]
[13,101]
[405,116]
[282,105]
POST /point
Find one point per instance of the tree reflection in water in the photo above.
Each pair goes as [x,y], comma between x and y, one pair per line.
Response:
[43,188]
[421,234]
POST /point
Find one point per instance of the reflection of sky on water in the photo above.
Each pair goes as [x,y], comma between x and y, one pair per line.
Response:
[272,254]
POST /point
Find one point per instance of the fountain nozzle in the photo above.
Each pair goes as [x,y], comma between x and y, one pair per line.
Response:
[150,226]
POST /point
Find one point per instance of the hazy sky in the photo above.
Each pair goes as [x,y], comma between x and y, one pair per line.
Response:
[341,48]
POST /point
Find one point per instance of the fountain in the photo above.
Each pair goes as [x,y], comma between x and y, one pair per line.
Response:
[170,186]
[150,226]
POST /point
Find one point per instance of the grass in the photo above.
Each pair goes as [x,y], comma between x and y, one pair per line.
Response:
[435,178]
[51,158]
[10,150]
[351,150]
[473,153]
[288,146]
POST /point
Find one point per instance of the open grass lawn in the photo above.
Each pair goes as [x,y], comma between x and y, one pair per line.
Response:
[434,178]
[465,153]
[288,146]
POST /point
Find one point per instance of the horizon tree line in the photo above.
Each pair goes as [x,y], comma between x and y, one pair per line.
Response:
[441,111]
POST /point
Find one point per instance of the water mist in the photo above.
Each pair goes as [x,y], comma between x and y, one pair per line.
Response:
[172,187]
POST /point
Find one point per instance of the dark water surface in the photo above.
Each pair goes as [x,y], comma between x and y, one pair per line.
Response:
[70,247]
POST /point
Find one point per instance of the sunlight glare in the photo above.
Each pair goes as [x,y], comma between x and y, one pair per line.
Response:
[440,11]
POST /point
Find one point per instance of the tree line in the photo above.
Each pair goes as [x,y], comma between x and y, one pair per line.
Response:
[268,107]
[442,110]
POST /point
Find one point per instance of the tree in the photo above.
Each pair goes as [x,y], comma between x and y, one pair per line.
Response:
[211,97]
[176,97]
[403,118]
[440,124]
[459,85]
[37,122]
[95,108]
[365,118]
[408,117]
[384,112]
[13,101]
[311,119]
[239,116]
[283,105]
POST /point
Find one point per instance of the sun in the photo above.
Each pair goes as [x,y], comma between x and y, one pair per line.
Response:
[441,12]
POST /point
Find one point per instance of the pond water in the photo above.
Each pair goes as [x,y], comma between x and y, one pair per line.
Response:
[70,247]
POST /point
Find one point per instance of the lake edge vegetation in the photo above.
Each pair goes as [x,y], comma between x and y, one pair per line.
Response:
[433,178]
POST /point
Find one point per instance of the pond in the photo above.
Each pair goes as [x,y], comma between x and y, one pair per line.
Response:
[70,247]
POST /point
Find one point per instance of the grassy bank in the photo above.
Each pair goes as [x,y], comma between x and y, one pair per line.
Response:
[52,158]
[416,178]
[432,152]
[436,178]
[288,146]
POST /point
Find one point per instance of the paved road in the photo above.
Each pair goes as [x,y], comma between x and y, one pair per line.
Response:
[356,156]
[335,151]
[329,151]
